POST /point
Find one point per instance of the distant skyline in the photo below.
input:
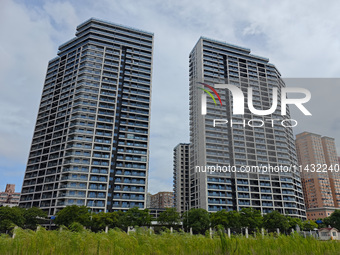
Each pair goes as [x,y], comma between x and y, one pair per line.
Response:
[302,42]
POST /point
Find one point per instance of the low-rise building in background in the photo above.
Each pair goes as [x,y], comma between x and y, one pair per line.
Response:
[9,197]
[319,213]
[148,200]
[163,199]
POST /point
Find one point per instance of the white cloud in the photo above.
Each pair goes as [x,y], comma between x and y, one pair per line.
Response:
[27,47]
[63,14]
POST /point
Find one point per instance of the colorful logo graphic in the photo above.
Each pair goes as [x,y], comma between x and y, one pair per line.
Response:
[213,90]
[239,101]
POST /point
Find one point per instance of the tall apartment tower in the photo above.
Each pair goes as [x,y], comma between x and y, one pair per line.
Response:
[320,173]
[91,140]
[181,177]
[214,62]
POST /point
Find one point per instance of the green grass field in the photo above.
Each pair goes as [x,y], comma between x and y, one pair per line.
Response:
[117,242]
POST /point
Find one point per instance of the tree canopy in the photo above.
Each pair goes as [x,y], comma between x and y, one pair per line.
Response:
[197,219]
[274,220]
[73,213]
[251,218]
[101,220]
[169,217]
[11,217]
[220,218]
[33,216]
[21,217]
[309,225]
[136,217]
[334,220]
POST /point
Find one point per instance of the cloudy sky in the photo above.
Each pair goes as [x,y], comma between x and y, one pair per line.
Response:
[300,37]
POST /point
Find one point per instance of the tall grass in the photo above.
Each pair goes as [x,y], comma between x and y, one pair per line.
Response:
[142,242]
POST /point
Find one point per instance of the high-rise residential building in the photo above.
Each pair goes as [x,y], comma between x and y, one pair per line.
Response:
[9,197]
[181,177]
[164,199]
[246,140]
[91,140]
[320,173]
[331,156]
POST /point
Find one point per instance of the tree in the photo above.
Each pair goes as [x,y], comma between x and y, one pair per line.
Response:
[309,225]
[33,217]
[101,220]
[251,218]
[169,217]
[197,219]
[117,218]
[234,218]
[274,220]
[325,222]
[334,219]
[73,213]
[10,217]
[137,217]
[293,222]
[321,222]
[220,218]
